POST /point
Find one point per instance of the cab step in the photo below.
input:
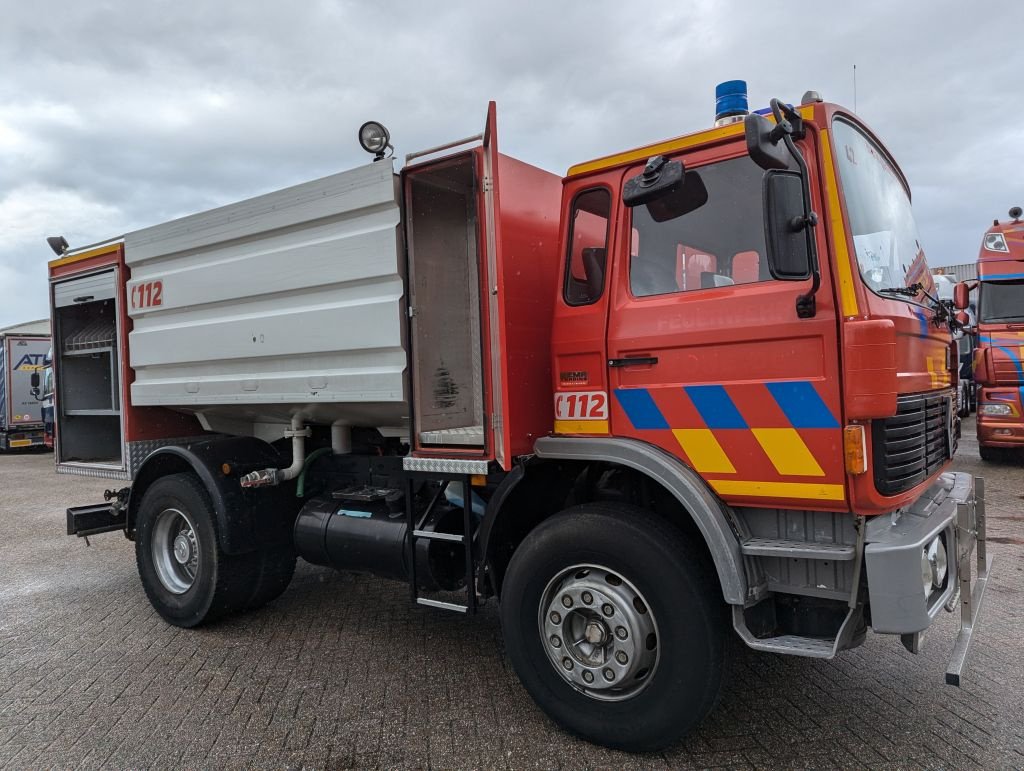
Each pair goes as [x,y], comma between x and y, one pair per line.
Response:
[775,547]
[793,645]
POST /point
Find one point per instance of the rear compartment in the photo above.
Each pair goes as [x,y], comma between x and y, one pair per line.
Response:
[304,305]
[85,327]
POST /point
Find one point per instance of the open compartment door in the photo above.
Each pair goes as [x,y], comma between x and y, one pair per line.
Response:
[443,236]
[480,298]
[494,298]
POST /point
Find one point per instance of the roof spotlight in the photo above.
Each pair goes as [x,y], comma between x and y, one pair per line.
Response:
[375,139]
[59,244]
[1015,212]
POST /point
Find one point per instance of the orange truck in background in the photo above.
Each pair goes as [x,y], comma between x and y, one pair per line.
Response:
[999,357]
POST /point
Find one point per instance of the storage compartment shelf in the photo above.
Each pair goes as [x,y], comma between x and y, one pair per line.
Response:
[92,412]
[95,335]
[90,351]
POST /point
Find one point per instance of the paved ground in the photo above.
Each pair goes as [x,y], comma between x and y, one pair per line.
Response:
[343,672]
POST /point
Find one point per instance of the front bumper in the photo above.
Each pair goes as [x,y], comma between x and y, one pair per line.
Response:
[1001,430]
[953,509]
[993,432]
[22,439]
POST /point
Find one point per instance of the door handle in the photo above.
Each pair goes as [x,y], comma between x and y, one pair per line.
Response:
[633,361]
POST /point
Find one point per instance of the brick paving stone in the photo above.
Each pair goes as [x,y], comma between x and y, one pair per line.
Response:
[342,672]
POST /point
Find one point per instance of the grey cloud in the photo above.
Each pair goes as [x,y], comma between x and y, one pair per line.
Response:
[115,115]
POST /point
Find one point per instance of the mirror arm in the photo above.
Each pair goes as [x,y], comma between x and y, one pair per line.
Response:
[787,126]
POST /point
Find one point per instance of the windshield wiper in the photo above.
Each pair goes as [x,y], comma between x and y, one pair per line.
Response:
[906,291]
[943,314]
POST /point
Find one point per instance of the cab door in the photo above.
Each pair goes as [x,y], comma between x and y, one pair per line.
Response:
[707,356]
[582,402]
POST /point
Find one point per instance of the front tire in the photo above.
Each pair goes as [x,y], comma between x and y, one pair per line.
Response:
[188,578]
[613,622]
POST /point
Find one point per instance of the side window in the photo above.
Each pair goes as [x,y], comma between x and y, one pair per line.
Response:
[588,247]
[718,244]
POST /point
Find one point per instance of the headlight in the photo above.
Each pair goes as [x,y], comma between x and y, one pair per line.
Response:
[995,242]
[938,561]
[934,565]
[926,572]
[994,409]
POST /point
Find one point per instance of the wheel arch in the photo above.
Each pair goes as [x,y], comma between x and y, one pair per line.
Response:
[245,519]
[543,486]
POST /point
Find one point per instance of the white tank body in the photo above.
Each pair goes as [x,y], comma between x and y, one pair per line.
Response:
[290,303]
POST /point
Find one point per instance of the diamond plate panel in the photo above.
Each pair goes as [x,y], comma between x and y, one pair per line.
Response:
[446,465]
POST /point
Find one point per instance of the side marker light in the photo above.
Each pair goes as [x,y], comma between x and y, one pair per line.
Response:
[855,449]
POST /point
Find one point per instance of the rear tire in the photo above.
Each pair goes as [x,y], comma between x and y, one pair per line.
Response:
[186,574]
[274,571]
[963,401]
[627,574]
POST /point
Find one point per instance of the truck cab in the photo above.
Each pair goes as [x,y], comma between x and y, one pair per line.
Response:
[684,332]
[1000,334]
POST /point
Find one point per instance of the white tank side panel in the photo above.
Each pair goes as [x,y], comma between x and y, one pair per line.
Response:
[293,300]
[349,191]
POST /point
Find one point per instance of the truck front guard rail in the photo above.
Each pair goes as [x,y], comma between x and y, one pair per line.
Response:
[970,535]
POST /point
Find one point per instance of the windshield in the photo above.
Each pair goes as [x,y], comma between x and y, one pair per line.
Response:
[885,238]
[1002,301]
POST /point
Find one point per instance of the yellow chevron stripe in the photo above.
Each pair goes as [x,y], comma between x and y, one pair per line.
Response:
[787,452]
[703,450]
[806,490]
[581,426]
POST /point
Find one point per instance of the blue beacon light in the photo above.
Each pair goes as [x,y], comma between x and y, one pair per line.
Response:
[730,102]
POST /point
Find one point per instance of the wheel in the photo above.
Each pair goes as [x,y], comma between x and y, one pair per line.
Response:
[991,454]
[188,578]
[963,401]
[614,623]
[274,572]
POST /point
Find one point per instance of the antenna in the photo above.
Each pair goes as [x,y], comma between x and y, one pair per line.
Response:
[855,88]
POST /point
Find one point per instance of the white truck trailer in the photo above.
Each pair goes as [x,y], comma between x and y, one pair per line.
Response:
[24,351]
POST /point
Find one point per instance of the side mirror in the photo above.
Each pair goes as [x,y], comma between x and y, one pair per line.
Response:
[961,296]
[787,229]
[963,319]
[659,177]
[666,189]
[34,377]
[764,143]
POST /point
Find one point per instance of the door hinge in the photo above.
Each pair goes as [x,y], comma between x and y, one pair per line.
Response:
[411,311]
[486,184]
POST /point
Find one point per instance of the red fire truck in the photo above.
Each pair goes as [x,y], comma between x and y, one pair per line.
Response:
[998,370]
[691,386]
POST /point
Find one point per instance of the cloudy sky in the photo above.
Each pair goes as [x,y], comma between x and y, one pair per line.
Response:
[115,115]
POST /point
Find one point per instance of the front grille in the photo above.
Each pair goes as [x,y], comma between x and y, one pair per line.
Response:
[912,444]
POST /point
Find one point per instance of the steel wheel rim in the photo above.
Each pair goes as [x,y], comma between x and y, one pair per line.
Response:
[599,632]
[175,550]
